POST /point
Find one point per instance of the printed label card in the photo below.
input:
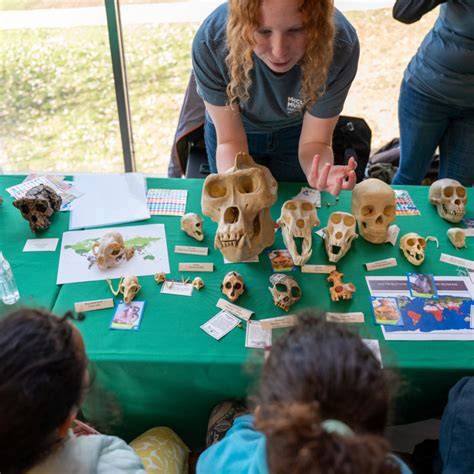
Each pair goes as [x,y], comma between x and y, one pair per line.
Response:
[386,310]
[281,261]
[422,285]
[128,316]
[179,288]
[310,194]
[40,245]
[220,325]
[256,336]
[468,222]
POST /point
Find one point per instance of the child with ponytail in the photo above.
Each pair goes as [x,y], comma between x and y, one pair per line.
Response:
[322,407]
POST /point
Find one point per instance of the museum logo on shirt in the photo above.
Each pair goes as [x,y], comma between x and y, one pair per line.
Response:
[294,105]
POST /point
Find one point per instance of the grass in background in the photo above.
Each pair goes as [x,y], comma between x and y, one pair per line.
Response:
[58,106]
[45,4]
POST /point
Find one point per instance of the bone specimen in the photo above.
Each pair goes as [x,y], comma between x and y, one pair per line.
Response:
[38,205]
[198,283]
[373,205]
[239,201]
[413,247]
[450,198]
[457,237]
[339,289]
[110,250]
[285,290]
[297,219]
[128,286]
[160,278]
[233,286]
[191,223]
[339,234]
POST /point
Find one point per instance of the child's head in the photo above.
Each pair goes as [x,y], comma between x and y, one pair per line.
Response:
[320,371]
[43,371]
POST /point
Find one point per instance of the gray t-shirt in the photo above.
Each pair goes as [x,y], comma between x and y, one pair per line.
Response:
[443,67]
[274,99]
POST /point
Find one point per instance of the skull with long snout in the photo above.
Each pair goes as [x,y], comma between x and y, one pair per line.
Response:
[298,217]
[239,200]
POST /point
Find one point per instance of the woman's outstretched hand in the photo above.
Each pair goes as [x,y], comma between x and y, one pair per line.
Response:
[332,178]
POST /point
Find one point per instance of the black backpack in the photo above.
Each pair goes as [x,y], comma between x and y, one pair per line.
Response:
[352,137]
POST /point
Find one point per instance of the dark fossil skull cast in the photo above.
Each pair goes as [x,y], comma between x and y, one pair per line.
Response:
[38,205]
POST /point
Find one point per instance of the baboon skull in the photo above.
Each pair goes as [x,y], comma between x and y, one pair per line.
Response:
[239,201]
[110,250]
[450,198]
[297,219]
[413,247]
[191,223]
[457,237]
[373,205]
[233,286]
[339,234]
[38,205]
[285,290]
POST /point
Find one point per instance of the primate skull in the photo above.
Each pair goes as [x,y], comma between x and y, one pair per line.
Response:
[191,223]
[239,201]
[339,234]
[110,250]
[285,290]
[297,219]
[160,278]
[38,205]
[413,247]
[198,283]
[373,205]
[233,286]
[128,286]
[450,198]
[457,237]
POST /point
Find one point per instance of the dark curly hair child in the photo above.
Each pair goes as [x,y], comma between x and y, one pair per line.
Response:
[321,408]
[43,376]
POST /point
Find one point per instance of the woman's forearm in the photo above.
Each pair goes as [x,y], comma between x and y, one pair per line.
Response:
[225,154]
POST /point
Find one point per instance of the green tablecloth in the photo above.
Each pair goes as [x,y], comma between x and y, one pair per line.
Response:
[171,373]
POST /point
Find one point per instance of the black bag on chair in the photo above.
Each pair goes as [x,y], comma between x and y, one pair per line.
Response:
[352,137]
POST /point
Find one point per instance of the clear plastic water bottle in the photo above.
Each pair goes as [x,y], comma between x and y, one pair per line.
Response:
[8,289]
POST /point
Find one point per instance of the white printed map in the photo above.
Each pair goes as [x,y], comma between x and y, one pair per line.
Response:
[77,262]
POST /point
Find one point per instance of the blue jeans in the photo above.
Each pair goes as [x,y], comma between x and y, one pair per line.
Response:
[277,150]
[456,437]
[426,123]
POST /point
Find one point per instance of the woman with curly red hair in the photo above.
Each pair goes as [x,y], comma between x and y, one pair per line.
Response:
[274,75]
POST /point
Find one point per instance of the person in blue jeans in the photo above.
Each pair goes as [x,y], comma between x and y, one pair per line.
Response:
[436,103]
[274,76]
[456,438]
[321,407]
